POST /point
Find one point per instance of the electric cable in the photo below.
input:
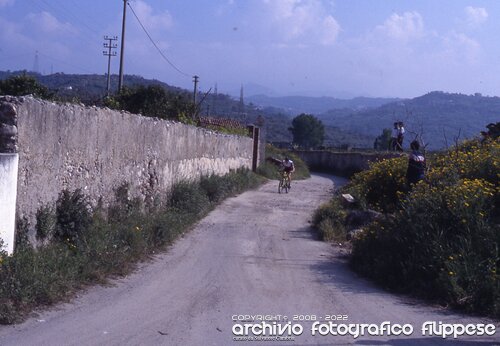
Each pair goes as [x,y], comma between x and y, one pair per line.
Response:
[154,43]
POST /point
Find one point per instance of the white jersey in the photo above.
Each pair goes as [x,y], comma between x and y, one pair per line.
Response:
[287,164]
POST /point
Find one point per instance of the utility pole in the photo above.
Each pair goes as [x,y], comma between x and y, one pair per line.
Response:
[214,110]
[195,80]
[110,45]
[242,102]
[122,47]
[36,64]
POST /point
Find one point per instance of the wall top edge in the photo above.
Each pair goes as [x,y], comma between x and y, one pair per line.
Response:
[30,99]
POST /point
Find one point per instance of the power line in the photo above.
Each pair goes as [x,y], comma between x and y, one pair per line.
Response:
[64,15]
[78,17]
[156,46]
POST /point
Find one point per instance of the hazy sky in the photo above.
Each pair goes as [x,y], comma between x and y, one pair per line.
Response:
[291,47]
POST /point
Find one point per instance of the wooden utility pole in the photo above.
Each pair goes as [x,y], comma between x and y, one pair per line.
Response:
[110,45]
[122,48]
[195,107]
[195,80]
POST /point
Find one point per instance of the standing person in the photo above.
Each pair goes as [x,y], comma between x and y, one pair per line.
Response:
[394,137]
[289,168]
[416,165]
[401,132]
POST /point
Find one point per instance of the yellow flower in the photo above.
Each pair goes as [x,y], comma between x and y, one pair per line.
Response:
[451,273]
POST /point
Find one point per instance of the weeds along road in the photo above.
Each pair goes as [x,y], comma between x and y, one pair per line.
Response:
[254,255]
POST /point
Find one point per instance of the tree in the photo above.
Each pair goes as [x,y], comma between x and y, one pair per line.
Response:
[23,85]
[383,142]
[152,101]
[307,131]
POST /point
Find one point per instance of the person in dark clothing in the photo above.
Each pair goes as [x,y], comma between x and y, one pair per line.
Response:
[394,137]
[416,165]
[401,133]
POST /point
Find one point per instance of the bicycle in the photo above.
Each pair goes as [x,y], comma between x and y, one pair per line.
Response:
[284,183]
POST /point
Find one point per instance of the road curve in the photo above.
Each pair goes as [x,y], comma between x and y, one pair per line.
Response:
[254,255]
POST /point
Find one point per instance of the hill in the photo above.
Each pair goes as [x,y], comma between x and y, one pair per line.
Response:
[85,87]
[295,105]
[91,88]
[439,117]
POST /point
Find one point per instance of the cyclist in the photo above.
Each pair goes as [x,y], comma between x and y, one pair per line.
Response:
[288,168]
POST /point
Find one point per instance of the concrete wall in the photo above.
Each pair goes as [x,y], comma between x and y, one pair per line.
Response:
[341,163]
[72,146]
[8,194]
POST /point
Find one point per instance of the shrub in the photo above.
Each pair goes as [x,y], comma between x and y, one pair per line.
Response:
[188,197]
[380,186]
[45,223]
[329,220]
[123,206]
[24,85]
[22,230]
[442,241]
[74,216]
[471,160]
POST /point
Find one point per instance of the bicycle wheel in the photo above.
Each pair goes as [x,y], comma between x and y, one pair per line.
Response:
[284,185]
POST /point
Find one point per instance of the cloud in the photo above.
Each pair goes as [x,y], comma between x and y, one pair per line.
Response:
[45,22]
[151,20]
[405,27]
[306,21]
[462,48]
[330,31]
[475,16]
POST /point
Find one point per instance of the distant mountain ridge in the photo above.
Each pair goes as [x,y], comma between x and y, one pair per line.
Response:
[92,85]
[439,117]
[295,105]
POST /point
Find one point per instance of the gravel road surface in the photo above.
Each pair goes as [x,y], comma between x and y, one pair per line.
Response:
[254,255]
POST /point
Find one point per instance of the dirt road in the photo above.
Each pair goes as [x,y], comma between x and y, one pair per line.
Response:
[254,255]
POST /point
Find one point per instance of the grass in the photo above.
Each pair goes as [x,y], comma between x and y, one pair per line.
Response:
[87,246]
[270,170]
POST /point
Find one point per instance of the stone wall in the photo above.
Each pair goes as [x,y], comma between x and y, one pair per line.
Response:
[72,146]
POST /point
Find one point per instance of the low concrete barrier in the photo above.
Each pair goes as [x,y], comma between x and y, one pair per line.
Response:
[341,163]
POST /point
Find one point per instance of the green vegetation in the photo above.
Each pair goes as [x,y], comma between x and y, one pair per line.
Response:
[153,101]
[270,170]
[439,240]
[383,142]
[23,85]
[329,221]
[87,246]
[308,131]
